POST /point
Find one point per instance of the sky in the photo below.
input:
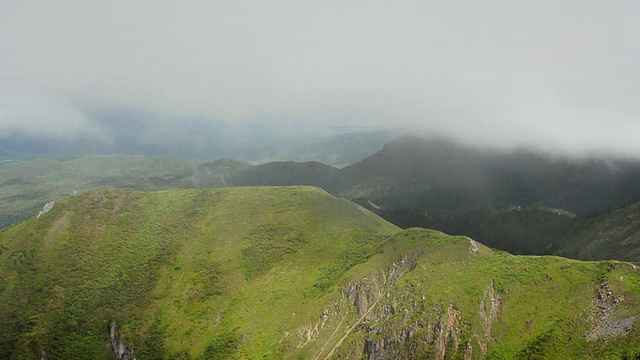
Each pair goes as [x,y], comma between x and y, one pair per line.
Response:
[553,74]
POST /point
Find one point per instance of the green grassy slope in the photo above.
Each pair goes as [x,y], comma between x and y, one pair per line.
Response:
[173,262]
[27,185]
[290,272]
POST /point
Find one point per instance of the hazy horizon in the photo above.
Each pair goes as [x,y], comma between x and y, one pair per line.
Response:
[545,75]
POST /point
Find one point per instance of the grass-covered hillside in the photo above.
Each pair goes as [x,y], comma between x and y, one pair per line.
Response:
[290,272]
[26,186]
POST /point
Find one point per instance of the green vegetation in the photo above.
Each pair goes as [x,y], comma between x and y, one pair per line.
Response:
[446,178]
[455,189]
[291,272]
[269,244]
[536,230]
[614,235]
[26,186]
[525,231]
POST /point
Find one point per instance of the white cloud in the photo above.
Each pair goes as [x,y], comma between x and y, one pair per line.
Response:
[43,117]
[494,71]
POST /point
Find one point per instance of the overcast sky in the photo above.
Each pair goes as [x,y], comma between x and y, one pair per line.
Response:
[559,73]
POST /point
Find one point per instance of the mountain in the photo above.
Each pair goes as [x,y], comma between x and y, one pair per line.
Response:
[534,230]
[339,150]
[26,186]
[519,201]
[447,178]
[126,131]
[516,201]
[208,175]
[291,173]
[290,272]
[614,235]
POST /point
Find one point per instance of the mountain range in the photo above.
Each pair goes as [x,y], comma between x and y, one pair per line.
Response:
[521,201]
[294,273]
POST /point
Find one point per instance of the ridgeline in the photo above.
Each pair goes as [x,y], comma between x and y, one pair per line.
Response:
[290,272]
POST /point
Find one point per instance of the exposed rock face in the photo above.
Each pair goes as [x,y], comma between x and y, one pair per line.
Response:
[448,334]
[488,312]
[437,332]
[121,350]
[473,246]
[366,294]
[358,304]
[47,207]
[606,323]
[395,324]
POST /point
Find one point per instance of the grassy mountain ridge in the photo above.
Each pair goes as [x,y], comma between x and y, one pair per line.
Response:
[290,272]
[115,252]
[27,185]
[291,173]
[460,189]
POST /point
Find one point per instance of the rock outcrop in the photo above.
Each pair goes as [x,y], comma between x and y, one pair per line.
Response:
[47,207]
[120,349]
[606,322]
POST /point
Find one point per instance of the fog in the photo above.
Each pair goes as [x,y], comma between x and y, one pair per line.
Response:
[560,75]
